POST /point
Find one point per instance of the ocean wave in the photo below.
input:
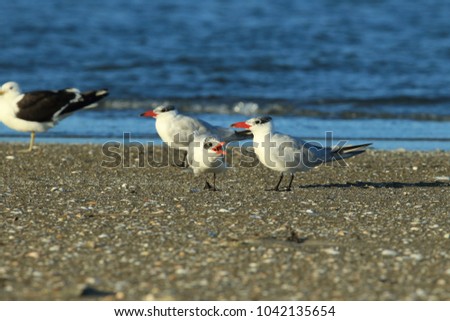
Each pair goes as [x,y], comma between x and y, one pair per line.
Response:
[398,107]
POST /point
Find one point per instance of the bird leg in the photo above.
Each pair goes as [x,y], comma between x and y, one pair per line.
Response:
[288,189]
[214,183]
[183,163]
[277,187]
[212,187]
[33,134]
[30,148]
[207,185]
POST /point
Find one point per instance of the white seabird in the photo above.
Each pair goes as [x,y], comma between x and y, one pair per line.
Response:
[289,155]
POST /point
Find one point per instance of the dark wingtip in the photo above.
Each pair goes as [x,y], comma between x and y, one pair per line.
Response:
[354,148]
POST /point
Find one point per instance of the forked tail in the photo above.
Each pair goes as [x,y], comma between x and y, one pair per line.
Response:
[342,152]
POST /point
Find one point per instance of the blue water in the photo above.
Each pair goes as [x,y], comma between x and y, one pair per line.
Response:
[364,69]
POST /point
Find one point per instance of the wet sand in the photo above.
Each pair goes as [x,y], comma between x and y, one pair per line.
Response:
[378,229]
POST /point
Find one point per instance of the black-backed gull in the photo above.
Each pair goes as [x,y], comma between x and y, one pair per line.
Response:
[37,111]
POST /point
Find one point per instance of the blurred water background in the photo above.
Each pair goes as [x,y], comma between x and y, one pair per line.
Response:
[372,70]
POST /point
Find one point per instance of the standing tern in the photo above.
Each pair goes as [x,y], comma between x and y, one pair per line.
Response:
[207,155]
[176,130]
[286,154]
[38,111]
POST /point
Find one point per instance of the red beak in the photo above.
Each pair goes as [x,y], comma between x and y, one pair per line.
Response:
[219,149]
[241,124]
[149,113]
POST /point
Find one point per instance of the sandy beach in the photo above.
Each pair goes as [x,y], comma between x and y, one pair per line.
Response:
[72,229]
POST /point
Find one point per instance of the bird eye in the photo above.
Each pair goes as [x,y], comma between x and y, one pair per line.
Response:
[258,122]
[207,145]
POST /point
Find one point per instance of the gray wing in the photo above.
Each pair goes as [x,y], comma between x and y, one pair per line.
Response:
[297,153]
[227,134]
[311,154]
[183,128]
[188,125]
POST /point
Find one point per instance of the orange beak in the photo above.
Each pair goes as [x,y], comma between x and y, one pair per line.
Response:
[219,149]
[241,124]
[149,113]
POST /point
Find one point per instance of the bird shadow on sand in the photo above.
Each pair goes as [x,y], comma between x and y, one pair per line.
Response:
[379,185]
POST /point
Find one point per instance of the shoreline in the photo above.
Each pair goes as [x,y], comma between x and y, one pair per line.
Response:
[73,230]
[394,146]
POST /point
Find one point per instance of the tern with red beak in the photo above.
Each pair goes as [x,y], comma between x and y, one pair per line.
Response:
[289,155]
[176,130]
[207,155]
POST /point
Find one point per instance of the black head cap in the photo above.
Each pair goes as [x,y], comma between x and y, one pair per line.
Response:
[167,108]
[263,120]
